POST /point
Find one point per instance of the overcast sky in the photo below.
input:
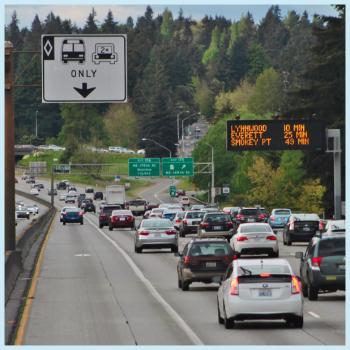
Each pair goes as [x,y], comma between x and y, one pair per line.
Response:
[78,13]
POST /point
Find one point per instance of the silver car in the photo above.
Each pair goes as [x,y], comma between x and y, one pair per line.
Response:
[156,233]
[260,289]
[256,238]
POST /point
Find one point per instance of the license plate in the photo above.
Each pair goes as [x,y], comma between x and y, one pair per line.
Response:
[195,222]
[122,219]
[306,229]
[265,293]
[217,227]
[210,264]
[331,278]
[250,220]
[341,267]
[156,234]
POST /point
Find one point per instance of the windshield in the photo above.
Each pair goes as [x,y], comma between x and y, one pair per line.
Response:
[332,247]
[282,212]
[217,217]
[258,269]
[212,248]
[255,228]
[195,215]
[162,223]
[249,211]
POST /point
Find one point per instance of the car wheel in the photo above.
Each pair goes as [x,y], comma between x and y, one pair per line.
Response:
[185,285]
[81,222]
[182,234]
[220,319]
[138,249]
[110,228]
[289,242]
[175,249]
[304,289]
[296,322]
[64,222]
[100,225]
[229,323]
[312,292]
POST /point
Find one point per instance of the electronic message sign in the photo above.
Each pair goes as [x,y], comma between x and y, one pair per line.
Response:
[245,135]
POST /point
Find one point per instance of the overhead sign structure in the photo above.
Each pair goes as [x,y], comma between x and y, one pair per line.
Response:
[143,167]
[177,167]
[245,135]
[84,68]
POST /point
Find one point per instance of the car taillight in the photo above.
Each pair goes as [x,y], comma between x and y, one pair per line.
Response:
[316,261]
[271,238]
[229,258]
[265,274]
[187,260]
[229,224]
[143,233]
[291,226]
[242,238]
[204,225]
[170,232]
[103,216]
[261,216]
[321,225]
[178,221]
[184,222]
[81,213]
[295,285]
[234,286]
[272,218]
[239,217]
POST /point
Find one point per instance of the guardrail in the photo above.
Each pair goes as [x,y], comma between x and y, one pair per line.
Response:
[20,265]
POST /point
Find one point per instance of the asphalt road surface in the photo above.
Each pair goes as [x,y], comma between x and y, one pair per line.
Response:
[94,290]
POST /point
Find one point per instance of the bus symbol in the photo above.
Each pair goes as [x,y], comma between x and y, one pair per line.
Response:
[104,53]
[73,50]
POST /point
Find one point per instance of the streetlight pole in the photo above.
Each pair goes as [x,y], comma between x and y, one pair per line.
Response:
[182,129]
[178,124]
[212,197]
[36,124]
[157,143]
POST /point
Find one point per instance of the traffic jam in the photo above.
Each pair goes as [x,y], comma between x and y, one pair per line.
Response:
[235,248]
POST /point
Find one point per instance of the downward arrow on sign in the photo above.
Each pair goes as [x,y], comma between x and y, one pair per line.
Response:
[84,91]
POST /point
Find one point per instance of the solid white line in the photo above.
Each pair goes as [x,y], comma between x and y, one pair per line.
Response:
[172,313]
[313,314]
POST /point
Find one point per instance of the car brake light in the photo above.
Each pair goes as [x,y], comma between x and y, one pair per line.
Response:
[242,238]
[239,216]
[316,261]
[265,274]
[143,233]
[234,286]
[170,232]
[291,227]
[184,222]
[204,225]
[295,285]
[261,216]
[272,218]
[229,224]
[321,225]
[81,213]
[229,258]
[271,238]
[187,260]
[178,221]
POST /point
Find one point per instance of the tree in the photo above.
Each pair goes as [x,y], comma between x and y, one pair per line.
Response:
[257,61]
[166,28]
[109,25]
[90,25]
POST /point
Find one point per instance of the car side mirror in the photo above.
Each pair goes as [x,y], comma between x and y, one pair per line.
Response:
[299,255]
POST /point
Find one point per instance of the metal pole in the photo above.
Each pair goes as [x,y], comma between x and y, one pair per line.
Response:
[52,187]
[182,137]
[212,176]
[36,124]
[10,228]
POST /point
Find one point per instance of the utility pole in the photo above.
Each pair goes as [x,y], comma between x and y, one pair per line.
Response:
[212,191]
[36,124]
[10,229]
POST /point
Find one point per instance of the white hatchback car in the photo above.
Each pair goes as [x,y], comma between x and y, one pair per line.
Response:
[260,289]
[34,191]
[256,238]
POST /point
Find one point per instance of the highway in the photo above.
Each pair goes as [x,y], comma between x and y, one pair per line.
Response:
[102,293]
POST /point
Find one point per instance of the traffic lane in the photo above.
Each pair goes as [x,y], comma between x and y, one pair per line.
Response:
[156,193]
[94,295]
[198,306]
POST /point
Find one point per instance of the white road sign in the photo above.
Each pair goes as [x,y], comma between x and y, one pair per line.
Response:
[84,68]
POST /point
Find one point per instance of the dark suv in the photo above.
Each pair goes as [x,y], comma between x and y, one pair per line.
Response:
[249,215]
[105,213]
[300,228]
[216,224]
[88,205]
[203,260]
[61,185]
[98,195]
[322,267]
[81,197]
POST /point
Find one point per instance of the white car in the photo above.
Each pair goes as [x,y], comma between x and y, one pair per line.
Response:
[34,191]
[334,226]
[141,151]
[260,289]
[62,197]
[255,238]
[33,209]
[184,200]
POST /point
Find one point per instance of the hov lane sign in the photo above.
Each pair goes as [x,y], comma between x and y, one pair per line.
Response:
[84,68]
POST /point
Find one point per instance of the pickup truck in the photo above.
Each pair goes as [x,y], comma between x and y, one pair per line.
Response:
[137,206]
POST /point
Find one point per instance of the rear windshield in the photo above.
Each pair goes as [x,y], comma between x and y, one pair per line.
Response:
[137,202]
[121,212]
[217,217]
[212,248]
[258,269]
[255,228]
[180,215]
[249,211]
[162,223]
[282,212]
[108,210]
[307,217]
[194,215]
[332,247]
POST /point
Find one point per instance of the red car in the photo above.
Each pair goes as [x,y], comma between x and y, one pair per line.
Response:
[180,193]
[121,218]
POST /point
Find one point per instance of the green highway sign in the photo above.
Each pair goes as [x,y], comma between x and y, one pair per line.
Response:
[177,167]
[172,190]
[143,167]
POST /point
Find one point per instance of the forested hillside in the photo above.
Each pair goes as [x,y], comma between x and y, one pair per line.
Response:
[292,66]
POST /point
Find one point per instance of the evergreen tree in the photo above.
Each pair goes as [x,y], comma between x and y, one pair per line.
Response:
[109,25]
[90,25]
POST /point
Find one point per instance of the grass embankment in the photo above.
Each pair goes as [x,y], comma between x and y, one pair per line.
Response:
[186,184]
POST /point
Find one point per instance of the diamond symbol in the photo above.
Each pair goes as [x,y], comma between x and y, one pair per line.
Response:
[48,47]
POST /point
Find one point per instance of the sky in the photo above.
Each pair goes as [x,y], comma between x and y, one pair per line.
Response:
[79,13]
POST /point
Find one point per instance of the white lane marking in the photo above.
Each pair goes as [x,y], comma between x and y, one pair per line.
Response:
[313,314]
[172,313]
[82,255]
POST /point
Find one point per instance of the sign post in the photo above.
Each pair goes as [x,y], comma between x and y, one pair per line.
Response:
[84,68]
